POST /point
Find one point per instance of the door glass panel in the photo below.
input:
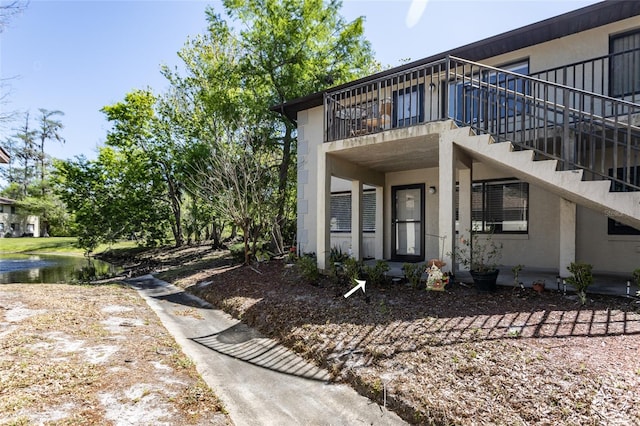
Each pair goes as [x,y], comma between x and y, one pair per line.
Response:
[408,239]
[408,227]
[408,204]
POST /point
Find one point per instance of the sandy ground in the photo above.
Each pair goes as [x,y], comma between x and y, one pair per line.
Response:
[94,355]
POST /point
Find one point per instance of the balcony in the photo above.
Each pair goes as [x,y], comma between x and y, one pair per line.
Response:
[560,114]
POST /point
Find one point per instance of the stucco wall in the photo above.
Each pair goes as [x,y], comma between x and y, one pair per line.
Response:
[607,253]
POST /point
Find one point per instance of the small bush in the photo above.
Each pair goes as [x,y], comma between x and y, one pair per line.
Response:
[308,267]
[413,273]
[636,277]
[581,278]
[352,270]
[376,273]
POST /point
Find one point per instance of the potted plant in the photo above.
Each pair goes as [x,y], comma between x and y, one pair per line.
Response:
[480,254]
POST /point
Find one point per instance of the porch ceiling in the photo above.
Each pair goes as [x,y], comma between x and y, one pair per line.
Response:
[390,151]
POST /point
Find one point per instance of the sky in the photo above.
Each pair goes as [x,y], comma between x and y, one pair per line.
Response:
[79,56]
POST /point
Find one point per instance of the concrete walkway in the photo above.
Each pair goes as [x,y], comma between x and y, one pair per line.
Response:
[259,381]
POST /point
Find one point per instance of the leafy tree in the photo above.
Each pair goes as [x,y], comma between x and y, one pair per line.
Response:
[54,218]
[293,48]
[277,51]
[138,132]
[112,197]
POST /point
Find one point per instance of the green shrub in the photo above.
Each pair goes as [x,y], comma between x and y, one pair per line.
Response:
[581,278]
[336,265]
[376,274]
[636,277]
[352,270]
[308,267]
[413,273]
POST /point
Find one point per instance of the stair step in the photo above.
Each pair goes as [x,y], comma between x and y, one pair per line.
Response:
[569,176]
[461,132]
[568,184]
[595,187]
[547,166]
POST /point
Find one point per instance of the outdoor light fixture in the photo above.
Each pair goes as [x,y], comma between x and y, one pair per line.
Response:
[432,190]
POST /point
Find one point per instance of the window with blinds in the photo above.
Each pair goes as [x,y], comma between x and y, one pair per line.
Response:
[500,206]
[625,64]
[613,226]
[341,211]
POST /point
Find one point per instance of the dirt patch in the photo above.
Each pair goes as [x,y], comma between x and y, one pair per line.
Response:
[453,357]
[94,355]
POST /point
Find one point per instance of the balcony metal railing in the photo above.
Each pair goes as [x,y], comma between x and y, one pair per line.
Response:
[580,128]
[593,75]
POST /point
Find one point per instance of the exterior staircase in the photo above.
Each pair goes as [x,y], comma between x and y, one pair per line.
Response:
[568,184]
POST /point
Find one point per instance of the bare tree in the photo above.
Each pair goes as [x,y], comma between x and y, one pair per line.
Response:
[26,153]
[9,10]
[49,129]
[239,182]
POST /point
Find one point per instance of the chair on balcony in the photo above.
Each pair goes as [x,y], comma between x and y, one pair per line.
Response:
[380,119]
[350,119]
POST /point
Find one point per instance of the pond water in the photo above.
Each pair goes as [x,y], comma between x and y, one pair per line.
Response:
[42,268]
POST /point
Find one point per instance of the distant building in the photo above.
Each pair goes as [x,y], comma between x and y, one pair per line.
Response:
[13,223]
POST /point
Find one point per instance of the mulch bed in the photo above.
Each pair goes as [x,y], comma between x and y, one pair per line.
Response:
[453,357]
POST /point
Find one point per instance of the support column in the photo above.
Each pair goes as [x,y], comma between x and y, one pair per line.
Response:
[567,243]
[446,198]
[379,239]
[323,227]
[356,219]
[464,203]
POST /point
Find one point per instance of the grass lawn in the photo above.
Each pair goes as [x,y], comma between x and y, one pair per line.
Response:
[59,245]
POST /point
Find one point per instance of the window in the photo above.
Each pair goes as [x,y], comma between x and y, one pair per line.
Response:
[500,206]
[489,95]
[341,211]
[409,104]
[1,228]
[1,208]
[613,226]
[13,209]
[625,64]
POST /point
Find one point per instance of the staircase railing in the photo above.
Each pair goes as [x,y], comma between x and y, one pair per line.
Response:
[579,128]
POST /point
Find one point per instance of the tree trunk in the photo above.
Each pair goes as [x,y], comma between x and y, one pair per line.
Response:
[283,177]
[245,238]
[176,208]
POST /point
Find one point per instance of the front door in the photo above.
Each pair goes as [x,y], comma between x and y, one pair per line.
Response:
[408,223]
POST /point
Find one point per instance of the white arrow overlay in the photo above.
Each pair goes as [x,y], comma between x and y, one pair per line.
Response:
[361,284]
